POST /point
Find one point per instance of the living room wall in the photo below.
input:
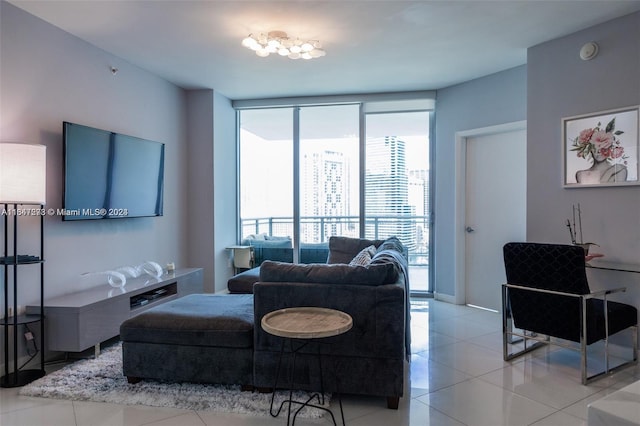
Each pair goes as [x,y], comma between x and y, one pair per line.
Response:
[495,99]
[212,191]
[225,199]
[49,76]
[560,84]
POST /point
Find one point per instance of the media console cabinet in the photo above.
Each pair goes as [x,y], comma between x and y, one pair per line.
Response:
[80,320]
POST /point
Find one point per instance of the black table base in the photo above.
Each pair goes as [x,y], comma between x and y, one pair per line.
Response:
[314,395]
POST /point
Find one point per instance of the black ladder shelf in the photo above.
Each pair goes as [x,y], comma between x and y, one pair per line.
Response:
[13,374]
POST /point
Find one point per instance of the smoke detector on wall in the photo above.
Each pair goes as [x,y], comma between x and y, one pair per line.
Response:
[589,51]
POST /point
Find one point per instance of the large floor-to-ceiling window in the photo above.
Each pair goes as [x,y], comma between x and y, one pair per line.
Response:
[396,185]
[266,172]
[307,173]
[329,166]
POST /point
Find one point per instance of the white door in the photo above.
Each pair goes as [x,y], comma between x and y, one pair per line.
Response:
[495,213]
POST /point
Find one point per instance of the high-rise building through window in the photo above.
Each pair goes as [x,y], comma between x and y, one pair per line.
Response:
[304,173]
[387,191]
[325,193]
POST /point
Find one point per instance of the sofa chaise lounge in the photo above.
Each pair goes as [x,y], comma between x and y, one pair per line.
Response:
[218,338]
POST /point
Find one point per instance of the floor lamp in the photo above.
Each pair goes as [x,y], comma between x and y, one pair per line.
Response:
[22,183]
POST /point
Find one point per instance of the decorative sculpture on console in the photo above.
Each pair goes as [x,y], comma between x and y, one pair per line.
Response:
[118,278]
[131,271]
[114,278]
[151,268]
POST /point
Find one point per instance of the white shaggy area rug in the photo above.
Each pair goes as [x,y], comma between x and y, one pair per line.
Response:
[101,380]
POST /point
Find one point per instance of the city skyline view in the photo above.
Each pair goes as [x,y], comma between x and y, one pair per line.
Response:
[327,187]
[328,166]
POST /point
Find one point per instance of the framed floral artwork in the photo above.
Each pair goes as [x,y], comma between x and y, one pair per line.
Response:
[601,149]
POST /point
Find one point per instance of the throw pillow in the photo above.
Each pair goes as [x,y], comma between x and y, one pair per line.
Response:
[364,257]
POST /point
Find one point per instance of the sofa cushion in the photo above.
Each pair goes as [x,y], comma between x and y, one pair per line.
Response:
[343,249]
[243,282]
[384,273]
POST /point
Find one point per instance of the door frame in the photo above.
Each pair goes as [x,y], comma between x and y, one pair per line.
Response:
[459,297]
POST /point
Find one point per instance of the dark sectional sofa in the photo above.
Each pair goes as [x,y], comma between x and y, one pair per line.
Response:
[203,338]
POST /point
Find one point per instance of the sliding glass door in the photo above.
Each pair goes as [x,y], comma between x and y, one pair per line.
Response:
[266,182]
[307,173]
[397,186]
[329,155]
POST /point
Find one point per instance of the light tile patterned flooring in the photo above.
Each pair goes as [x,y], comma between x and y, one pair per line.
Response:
[456,377]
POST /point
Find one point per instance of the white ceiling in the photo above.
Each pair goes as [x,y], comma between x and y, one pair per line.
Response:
[372,46]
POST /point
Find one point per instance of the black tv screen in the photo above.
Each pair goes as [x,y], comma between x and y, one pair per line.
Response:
[108,175]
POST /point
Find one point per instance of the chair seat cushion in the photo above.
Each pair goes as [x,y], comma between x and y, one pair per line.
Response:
[195,320]
[621,316]
[567,309]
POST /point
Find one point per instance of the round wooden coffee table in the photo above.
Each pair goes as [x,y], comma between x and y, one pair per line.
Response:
[304,324]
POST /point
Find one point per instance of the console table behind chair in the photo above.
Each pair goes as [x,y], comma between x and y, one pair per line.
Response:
[613,266]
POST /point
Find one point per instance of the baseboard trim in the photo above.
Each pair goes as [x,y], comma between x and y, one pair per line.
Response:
[444,297]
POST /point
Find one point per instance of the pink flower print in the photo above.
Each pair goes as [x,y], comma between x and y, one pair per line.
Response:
[585,136]
[617,152]
[604,152]
[602,140]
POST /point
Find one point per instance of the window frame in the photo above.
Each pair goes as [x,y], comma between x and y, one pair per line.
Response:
[420,101]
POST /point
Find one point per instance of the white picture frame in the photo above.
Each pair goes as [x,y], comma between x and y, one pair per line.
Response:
[601,148]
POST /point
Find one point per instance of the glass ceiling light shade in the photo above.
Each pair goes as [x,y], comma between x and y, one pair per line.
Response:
[279,42]
[23,177]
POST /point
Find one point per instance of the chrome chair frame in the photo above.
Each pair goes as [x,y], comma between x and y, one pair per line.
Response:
[508,333]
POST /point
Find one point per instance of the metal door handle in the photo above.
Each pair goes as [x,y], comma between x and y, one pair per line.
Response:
[470,229]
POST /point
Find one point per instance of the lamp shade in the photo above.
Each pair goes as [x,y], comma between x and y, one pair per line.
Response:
[23,172]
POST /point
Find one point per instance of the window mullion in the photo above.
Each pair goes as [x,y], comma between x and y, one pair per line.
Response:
[362,168]
[296,184]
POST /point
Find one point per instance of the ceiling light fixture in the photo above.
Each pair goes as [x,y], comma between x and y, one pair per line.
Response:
[279,42]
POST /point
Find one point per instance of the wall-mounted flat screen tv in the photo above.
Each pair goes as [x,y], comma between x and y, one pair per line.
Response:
[108,175]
